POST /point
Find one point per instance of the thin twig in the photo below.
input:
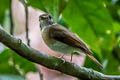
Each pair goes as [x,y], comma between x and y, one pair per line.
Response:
[24,2]
[26,23]
[11,20]
[27,30]
[40,74]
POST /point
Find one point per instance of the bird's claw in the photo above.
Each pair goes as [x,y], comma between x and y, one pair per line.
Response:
[62,57]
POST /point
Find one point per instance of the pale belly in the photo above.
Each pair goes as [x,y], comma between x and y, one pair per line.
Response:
[58,46]
[63,48]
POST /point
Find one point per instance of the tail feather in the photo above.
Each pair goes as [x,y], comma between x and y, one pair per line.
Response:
[94,60]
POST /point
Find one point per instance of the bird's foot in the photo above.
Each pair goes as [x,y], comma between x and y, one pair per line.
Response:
[62,57]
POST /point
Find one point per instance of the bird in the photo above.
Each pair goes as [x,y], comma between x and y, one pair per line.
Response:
[60,39]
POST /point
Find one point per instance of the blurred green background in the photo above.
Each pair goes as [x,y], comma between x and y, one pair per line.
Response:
[97,22]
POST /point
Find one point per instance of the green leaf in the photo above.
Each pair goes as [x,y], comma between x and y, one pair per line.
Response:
[116,26]
[36,4]
[21,65]
[112,66]
[11,77]
[53,7]
[4,5]
[5,67]
[91,21]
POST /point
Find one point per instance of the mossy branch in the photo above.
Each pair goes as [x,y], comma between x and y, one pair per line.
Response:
[51,62]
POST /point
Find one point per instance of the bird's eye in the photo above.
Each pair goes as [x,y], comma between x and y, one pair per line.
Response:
[49,17]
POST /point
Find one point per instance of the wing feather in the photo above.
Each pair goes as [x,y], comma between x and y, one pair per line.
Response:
[63,35]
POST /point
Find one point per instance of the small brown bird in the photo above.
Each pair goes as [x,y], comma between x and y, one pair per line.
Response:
[60,39]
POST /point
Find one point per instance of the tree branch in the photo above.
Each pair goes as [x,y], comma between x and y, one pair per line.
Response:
[51,62]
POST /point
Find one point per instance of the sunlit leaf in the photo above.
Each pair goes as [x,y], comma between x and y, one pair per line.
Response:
[21,65]
[53,7]
[91,21]
[4,5]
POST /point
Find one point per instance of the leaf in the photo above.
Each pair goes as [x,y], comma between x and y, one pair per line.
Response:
[53,7]
[21,65]
[116,26]
[36,4]
[5,67]
[91,21]
[4,5]
[11,77]
[112,66]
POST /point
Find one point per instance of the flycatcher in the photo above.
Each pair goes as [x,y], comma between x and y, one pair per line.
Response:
[60,39]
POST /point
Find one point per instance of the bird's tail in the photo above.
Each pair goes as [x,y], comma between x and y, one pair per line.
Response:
[94,60]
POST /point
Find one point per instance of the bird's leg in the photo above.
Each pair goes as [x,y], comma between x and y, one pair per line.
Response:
[71,57]
[74,53]
[62,57]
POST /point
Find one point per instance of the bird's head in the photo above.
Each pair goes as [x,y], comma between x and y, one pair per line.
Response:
[45,20]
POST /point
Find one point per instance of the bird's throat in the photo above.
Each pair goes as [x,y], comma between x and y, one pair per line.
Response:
[45,25]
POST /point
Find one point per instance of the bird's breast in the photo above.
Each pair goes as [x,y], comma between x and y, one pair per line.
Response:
[46,38]
[56,45]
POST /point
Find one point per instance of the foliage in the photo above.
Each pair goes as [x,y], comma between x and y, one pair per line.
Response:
[4,5]
[54,7]
[97,22]
[93,21]
[20,67]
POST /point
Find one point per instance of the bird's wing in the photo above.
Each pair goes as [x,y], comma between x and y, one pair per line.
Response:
[61,34]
